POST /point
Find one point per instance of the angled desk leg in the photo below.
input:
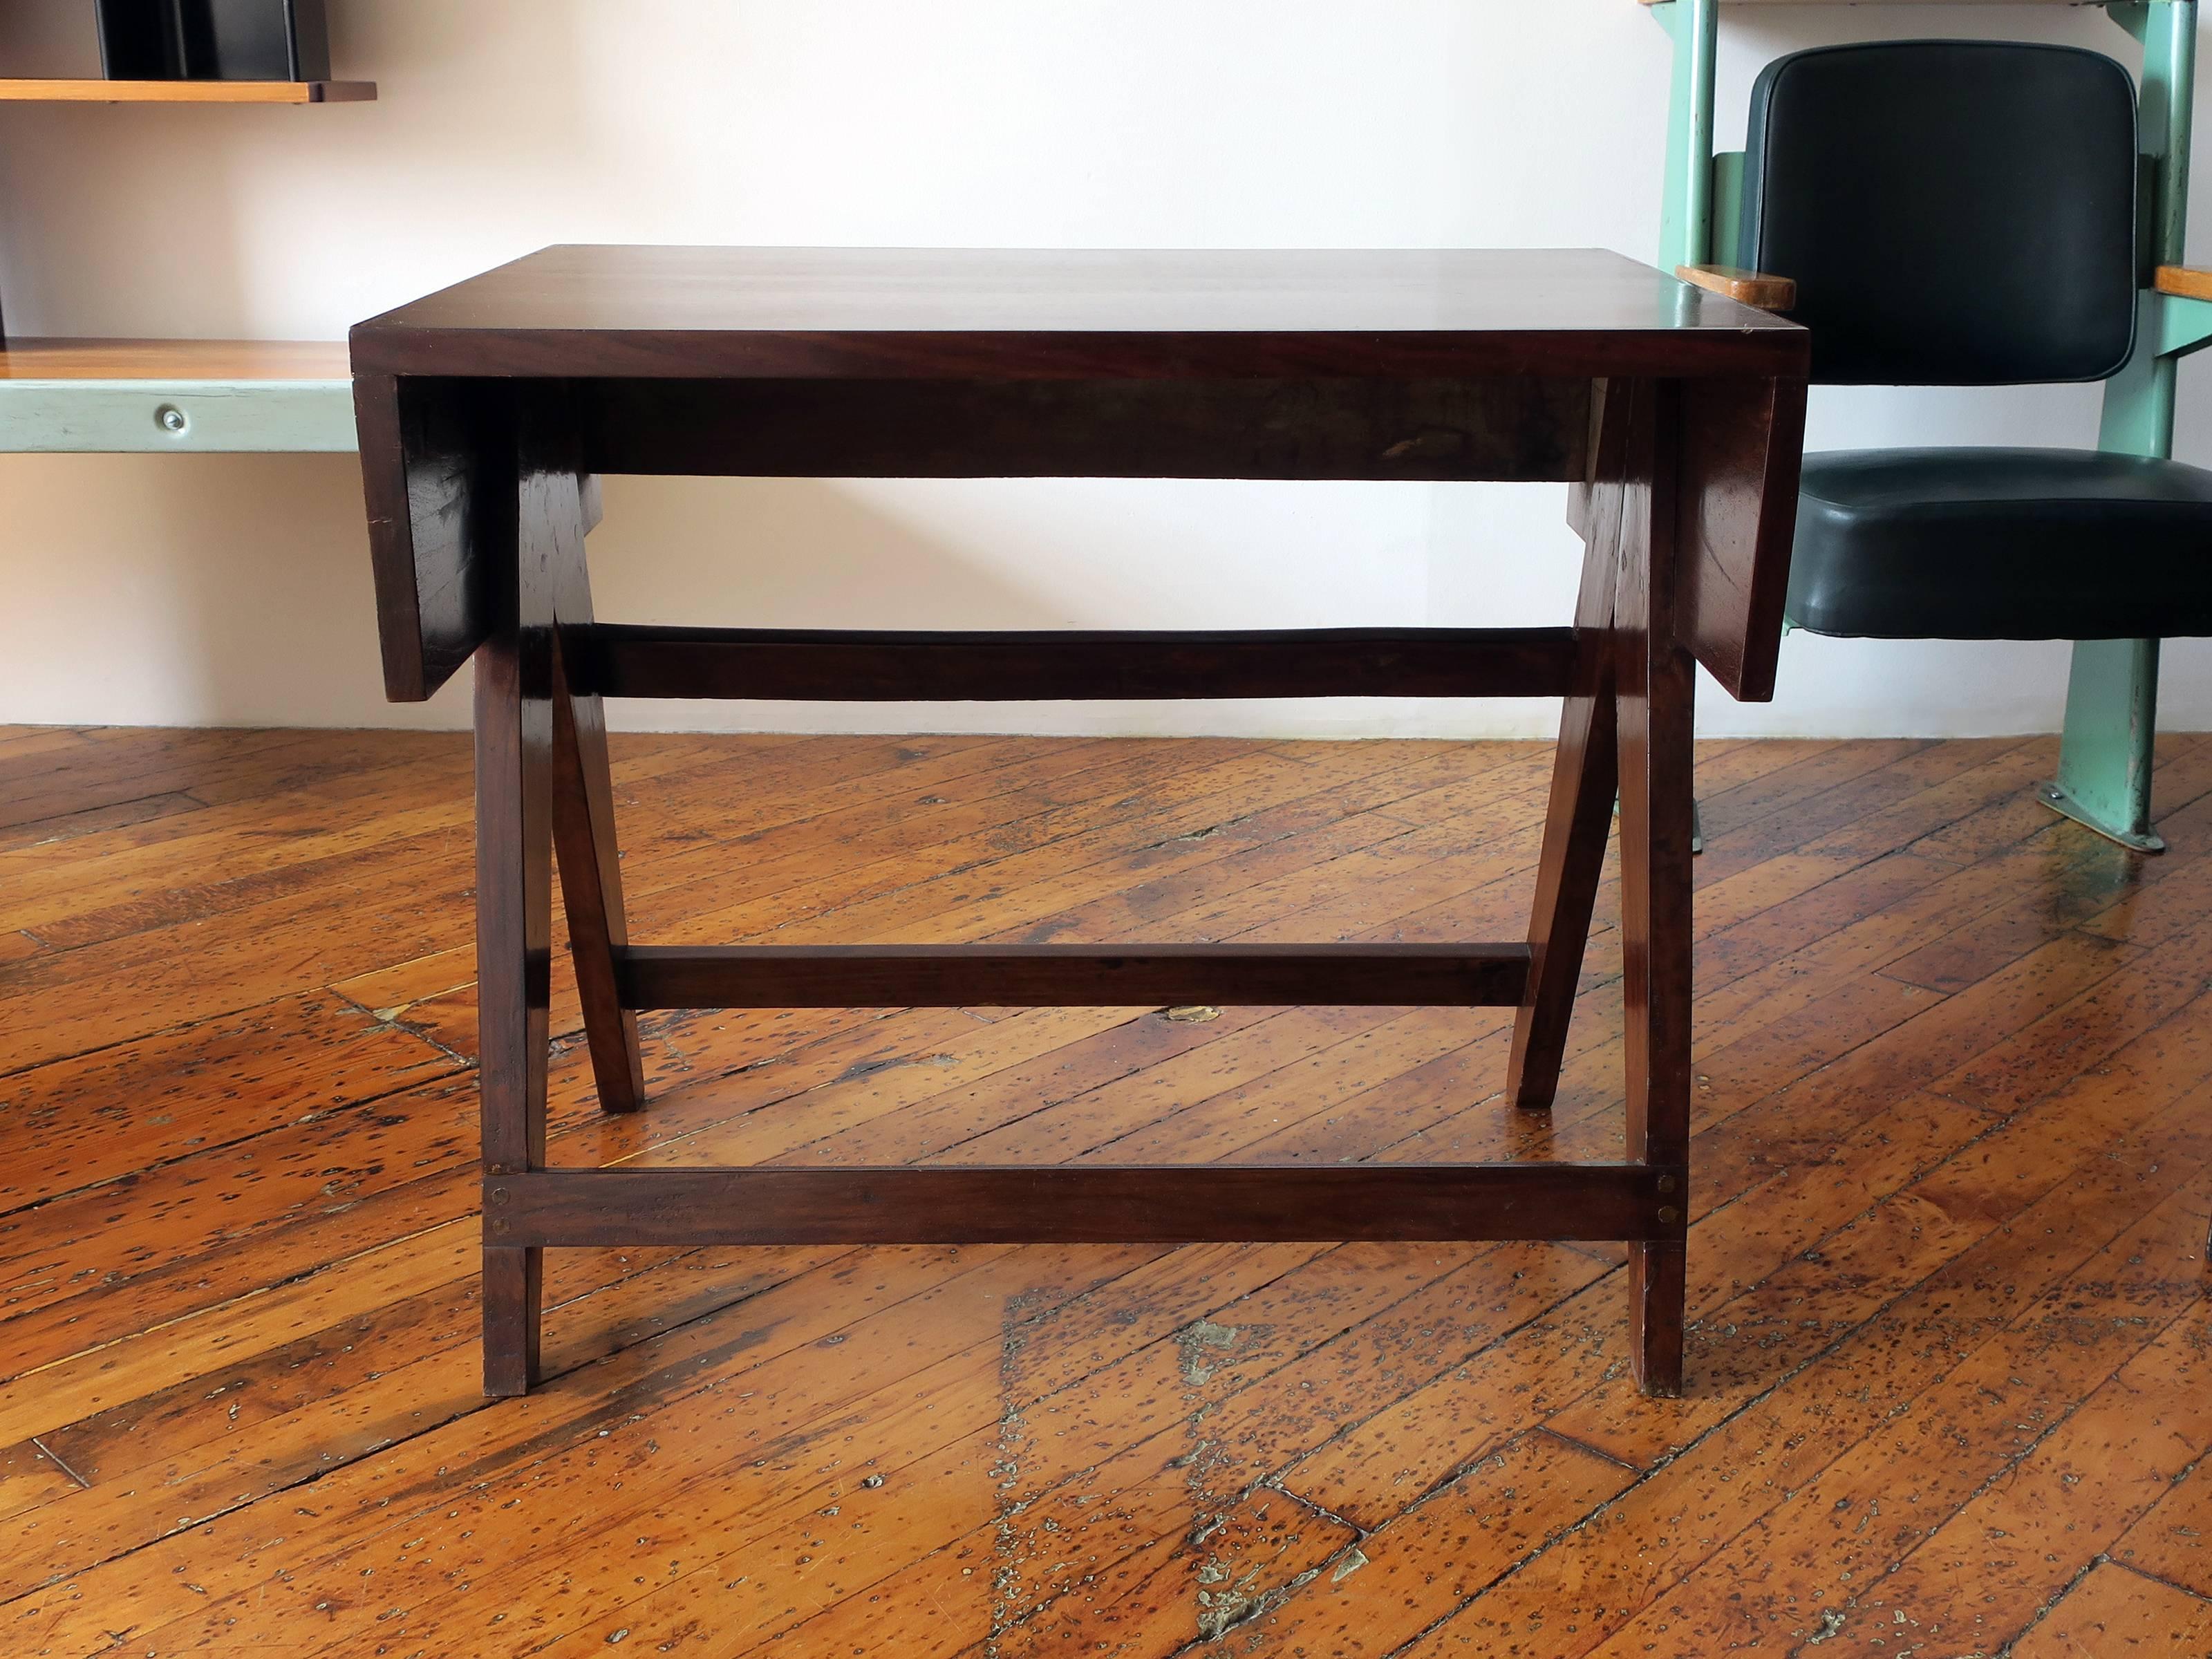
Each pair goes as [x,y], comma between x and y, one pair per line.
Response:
[584,812]
[1629,721]
[541,775]
[1655,682]
[514,777]
[1585,776]
[590,891]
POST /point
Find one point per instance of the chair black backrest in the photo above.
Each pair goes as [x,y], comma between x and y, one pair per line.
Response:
[1954,212]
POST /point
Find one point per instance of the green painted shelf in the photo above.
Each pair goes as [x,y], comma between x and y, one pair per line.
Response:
[82,397]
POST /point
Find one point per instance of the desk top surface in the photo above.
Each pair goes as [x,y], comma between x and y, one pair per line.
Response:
[729,312]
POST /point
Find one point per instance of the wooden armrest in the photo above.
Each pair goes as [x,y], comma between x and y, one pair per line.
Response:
[2184,282]
[1750,288]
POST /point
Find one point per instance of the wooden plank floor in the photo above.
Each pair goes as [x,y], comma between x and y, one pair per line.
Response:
[1949,1378]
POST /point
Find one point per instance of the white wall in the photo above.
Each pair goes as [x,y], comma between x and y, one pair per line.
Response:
[234,590]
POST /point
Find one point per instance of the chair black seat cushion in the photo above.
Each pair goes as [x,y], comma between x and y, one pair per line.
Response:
[2002,544]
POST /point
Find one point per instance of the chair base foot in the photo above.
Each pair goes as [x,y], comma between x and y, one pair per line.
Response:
[1697,824]
[2065,805]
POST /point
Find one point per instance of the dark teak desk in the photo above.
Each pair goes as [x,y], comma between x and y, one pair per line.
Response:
[486,411]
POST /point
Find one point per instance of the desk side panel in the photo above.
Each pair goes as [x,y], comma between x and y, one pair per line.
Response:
[437,474]
[1742,446]
[1518,428]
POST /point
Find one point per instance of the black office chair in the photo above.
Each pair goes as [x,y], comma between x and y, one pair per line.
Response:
[1965,213]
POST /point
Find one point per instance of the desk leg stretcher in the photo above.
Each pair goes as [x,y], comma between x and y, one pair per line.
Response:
[543,784]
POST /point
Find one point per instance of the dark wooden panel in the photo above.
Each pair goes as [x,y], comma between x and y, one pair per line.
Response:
[1074,1205]
[1070,975]
[384,465]
[437,470]
[1520,427]
[694,312]
[1742,442]
[622,660]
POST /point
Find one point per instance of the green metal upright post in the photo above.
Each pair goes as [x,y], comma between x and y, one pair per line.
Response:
[1685,217]
[1686,210]
[2106,758]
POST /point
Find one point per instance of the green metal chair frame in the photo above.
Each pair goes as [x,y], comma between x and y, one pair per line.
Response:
[2105,757]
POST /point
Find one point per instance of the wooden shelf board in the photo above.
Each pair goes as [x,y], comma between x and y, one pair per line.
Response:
[188,92]
[227,362]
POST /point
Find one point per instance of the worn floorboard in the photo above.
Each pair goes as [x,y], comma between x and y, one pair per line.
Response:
[1948,1369]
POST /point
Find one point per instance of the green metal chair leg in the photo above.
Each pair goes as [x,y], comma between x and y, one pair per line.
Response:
[2111,698]
[2104,758]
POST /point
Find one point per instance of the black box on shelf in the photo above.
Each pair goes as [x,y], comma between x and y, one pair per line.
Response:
[213,40]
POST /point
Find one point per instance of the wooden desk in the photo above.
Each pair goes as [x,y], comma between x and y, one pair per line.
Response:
[486,410]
